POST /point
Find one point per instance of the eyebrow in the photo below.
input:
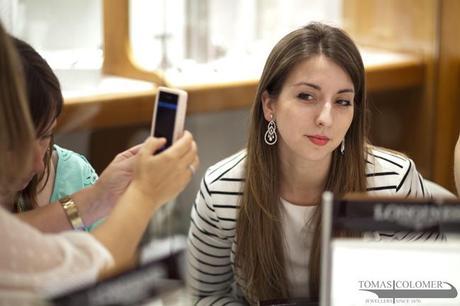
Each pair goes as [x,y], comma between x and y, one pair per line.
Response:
[317,87]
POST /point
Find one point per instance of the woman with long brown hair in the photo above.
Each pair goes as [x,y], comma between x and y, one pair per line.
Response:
[255,223]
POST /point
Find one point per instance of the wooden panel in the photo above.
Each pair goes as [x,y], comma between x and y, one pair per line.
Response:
[403,26]
[397,76]
[106,111]
[396,25]
[448,94]
[393,123]
[118,55]
[221,97]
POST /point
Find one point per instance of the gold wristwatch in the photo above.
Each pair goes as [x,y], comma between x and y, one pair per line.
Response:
[71,210]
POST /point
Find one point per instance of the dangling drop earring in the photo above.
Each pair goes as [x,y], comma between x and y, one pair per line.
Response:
[342,147]
[270,135]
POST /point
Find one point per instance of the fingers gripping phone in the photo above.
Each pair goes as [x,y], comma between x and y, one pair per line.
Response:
[169,115]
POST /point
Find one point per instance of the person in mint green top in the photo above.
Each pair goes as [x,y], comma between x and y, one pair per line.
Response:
[57,172]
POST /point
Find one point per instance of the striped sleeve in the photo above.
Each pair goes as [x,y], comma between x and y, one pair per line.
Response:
[394,175]
[391,174]
[412,183]
[209,268]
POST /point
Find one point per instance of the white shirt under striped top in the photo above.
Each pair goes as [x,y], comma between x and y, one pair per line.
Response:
[211,241]
[298,232]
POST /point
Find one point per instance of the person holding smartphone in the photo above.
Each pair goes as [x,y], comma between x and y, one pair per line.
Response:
[34,265]
[254,234]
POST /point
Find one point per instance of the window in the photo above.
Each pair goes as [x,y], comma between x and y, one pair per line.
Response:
[67,33]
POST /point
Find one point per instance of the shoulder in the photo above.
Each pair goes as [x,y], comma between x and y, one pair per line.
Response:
[230,169]
[389,170]
[74,167]
[223,182]
[383,159]
[68,156]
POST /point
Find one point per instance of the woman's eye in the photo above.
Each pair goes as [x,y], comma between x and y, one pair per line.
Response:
[305,96]
[344,102]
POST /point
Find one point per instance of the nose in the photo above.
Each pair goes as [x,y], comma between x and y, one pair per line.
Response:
[324,117]
[39,154]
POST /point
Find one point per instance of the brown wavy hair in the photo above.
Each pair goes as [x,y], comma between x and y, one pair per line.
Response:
[260,261]
[45,103]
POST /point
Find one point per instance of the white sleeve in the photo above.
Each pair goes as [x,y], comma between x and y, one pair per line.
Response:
[45,264]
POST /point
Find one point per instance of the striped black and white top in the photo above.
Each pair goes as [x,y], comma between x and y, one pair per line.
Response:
[211,240]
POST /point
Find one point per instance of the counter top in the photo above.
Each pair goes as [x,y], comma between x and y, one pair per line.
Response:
[94,100]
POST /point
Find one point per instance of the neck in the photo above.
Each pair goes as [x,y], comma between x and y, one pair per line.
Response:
[302,181]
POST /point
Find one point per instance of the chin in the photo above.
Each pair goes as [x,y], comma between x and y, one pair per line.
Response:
[309,152]
[317,155]
[317,158]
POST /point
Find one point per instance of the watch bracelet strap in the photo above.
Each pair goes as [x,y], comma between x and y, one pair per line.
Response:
[72,213]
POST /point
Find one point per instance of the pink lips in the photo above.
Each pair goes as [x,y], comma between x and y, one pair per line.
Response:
[318,140]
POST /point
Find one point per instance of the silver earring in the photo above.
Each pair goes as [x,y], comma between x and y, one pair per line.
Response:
[270,135]
[342,147]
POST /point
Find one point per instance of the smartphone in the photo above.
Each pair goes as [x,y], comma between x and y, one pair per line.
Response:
[169,115]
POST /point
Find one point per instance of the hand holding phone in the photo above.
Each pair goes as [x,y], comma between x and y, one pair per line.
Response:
[169,115]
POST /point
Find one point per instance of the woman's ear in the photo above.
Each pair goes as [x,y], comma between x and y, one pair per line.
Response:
[268,106]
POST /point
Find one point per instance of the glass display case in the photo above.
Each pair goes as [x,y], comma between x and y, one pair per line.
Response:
[209,41]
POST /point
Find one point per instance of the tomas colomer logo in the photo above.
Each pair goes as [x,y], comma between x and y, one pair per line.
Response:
[395,289]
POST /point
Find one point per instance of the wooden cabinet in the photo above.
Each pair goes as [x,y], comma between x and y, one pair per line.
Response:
[447,97]
[422,121]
